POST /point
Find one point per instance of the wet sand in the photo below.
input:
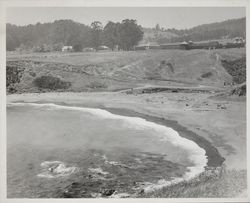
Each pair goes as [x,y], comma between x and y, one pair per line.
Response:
[214,157]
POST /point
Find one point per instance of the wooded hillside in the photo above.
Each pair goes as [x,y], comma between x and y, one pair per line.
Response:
[226,29]
[52,36]
[125,34]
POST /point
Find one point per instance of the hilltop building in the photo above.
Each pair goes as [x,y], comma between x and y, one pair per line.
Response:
[238,40]
[67,48]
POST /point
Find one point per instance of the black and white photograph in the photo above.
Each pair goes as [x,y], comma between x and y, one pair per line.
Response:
[125,102]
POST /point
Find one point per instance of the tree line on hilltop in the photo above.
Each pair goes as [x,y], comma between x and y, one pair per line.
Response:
[53,36]
[226,29]
[122,35]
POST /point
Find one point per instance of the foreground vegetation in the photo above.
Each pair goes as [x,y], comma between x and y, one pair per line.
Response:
[210,184]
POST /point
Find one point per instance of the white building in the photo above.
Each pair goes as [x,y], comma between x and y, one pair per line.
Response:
[67,48]
[238,40]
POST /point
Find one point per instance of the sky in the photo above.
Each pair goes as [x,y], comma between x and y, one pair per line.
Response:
[167,17]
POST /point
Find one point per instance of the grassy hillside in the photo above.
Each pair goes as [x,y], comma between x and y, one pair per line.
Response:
[119,70]
[61,77]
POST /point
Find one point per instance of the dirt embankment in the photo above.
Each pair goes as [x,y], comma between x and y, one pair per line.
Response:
[24,76]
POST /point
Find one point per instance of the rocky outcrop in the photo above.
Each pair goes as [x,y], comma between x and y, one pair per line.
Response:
[239,90]
[236,68]
[14,72]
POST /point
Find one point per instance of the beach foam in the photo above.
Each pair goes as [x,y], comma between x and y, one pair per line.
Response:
[98,170]
[54,169]
[195,153]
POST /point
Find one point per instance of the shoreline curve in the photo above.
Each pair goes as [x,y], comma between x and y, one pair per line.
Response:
[186,138]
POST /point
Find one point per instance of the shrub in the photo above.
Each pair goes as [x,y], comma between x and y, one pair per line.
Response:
[96,85]
[50,82]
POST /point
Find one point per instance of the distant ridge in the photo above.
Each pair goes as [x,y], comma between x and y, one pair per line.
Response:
[218,30]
